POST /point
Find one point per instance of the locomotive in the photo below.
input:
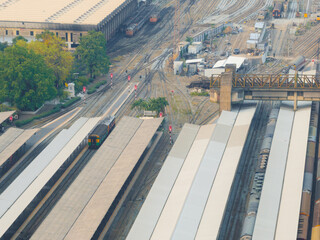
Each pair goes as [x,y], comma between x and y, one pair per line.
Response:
[101,132]
[277,11]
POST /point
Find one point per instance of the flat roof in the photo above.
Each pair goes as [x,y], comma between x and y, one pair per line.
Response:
[16,144]
[35,187]
[5,115]
[58,11]
[221,188]
[10,195]
[8,137]
[254,36]
[98,206]
[63,215]
[267,214]
[151,209]
[259,25]
[230,60]
[171,211]
[289,211]
[189,219]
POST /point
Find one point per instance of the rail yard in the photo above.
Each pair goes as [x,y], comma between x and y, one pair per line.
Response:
[235,154]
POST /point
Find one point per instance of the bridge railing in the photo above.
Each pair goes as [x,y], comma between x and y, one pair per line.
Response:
[269,81]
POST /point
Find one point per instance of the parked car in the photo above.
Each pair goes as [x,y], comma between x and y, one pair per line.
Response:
[236,51]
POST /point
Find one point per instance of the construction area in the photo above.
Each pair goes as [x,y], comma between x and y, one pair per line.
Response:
[235,154]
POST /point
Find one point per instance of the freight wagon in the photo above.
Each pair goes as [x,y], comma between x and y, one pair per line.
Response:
[101,132]
[136,24]
[154,17]
[277,11]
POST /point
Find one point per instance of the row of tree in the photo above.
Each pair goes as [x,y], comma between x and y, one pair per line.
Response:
[32,73]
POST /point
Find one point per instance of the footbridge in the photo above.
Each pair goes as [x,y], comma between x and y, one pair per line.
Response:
[230,87]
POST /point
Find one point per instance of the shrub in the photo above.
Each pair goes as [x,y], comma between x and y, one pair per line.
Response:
[95,86]
[70,102]
[42,115]
[199,94]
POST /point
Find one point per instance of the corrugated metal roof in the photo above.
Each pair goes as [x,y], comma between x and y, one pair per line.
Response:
[16,144]
[170,213]
[266,220]
[14,190]
[5,115]
[148,216]
[34,188]
[191,214]
[288,217]
[60,219]
[218,198]
[59,11]
[21,183]
[8,137]
[98,206]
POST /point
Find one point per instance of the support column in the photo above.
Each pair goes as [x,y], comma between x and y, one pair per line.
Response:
[225,91]
[295,101]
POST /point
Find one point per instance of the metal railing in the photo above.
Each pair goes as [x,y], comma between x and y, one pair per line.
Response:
[269,81]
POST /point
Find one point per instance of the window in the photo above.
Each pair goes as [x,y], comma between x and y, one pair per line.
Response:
[31,33]
[7,32]
[66,37]
[71,37]
[17,33]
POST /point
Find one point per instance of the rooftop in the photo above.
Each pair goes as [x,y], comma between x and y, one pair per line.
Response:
[58,11]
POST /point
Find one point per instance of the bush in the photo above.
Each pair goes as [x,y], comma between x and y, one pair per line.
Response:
[95,86]
[70,102]
[199,94]
[42,115]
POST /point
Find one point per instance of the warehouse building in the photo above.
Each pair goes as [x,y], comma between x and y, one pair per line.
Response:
[68,19]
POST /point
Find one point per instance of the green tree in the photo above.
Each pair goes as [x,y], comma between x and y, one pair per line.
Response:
[189,39]
[14,41]
[55,55]
[92,53]
[25,79]
[152,104]
[3,46]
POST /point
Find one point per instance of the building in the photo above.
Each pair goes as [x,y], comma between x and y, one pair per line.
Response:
[69,19]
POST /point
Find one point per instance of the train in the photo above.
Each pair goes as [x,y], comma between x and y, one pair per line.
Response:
[136,23]
[255,193]
[277,10]
[305,207]
[101,132]
[154,17]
